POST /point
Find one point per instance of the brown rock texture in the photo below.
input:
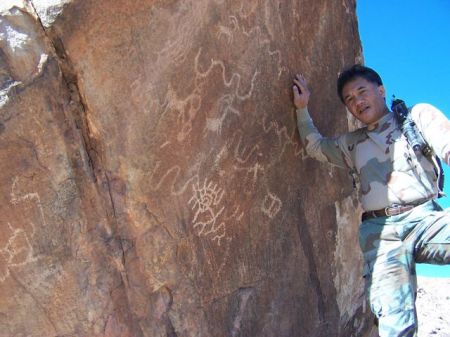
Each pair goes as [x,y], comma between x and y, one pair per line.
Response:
[153,182]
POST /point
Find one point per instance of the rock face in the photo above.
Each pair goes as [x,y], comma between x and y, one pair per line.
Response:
[153,182]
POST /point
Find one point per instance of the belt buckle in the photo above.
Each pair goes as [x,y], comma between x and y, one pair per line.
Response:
[393,210]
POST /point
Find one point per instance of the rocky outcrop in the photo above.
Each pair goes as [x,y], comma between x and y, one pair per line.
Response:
[153,182]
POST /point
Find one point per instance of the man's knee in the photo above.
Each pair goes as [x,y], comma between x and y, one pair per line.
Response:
[395,310]
[398,323]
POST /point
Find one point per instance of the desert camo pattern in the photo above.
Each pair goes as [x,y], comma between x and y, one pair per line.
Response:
[388,171]
[391,248]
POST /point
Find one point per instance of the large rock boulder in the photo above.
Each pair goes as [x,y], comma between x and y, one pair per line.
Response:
[153,182]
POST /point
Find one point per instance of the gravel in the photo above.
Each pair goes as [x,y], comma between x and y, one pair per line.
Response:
[433,307]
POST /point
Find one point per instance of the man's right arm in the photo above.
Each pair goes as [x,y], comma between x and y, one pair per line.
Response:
[320,148]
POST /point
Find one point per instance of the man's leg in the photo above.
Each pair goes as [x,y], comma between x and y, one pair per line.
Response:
[432,237]
[391,246]
[390,277]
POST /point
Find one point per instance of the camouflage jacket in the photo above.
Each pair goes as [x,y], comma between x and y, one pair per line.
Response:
[388,170]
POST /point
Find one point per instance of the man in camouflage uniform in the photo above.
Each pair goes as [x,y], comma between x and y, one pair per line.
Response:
[402,224]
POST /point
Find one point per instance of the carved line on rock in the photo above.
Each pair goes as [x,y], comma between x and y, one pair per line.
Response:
[206,200]
[18,250]
[271,205]
[281,131]
[241,152]
[27,197]
[173,172]
[265,42]
[228,83]
[17,245]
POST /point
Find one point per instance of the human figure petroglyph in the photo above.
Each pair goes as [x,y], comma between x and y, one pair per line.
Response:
[271,205]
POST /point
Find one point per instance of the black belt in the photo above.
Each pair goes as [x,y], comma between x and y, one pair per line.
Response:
[390,211]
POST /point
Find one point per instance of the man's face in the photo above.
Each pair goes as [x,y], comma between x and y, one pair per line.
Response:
[365,100]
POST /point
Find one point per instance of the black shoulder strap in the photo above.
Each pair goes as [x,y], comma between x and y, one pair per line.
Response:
[433,158]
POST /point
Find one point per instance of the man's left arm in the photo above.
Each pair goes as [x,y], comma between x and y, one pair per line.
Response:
[435,128]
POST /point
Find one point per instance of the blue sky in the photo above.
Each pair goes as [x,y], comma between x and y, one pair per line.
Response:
[408,44]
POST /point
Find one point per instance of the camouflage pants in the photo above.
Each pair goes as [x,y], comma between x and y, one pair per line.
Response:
[391,247]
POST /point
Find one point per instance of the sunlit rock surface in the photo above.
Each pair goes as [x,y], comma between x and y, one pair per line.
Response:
[153,182]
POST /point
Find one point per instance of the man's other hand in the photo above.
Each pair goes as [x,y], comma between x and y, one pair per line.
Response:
[301,92]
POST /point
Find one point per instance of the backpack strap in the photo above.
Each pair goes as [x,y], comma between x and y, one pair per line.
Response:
[428,152]
[415,138]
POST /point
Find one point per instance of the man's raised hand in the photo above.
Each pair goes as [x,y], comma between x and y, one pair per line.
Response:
[301,92]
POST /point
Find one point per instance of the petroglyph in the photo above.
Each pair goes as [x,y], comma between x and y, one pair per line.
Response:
[186,109]
[235,78]
[141,94]
[34,196]
[253,34]
[251,172]
[206,200]
[237,214]
[228,31]
[271,205]
[247,158]
[16,252]
[210,221]
[241,152]
[285,137]
[225,107]
[169,176]
[164,144]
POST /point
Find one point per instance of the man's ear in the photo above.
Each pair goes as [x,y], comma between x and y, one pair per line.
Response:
[382,91]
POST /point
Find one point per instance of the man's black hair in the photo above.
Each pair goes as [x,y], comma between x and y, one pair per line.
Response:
[353,72]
